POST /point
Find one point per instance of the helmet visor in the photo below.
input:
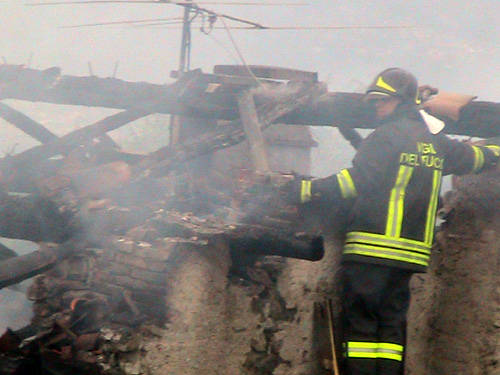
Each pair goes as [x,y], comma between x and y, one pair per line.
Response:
[376,95]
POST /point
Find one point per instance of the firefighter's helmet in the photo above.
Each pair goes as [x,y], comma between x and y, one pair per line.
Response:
[395,82]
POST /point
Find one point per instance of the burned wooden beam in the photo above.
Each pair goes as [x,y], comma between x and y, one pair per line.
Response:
[18,82]
[250,121]
[263,241]
[17,269]
[26,124]
[213,96]
[250,238]
[270,72]
[477,119]
[163,160]
[71,140]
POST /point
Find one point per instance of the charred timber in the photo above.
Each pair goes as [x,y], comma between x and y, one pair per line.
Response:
[26,124]
[213,97]
[17,269]
[163,160]
[249,238]
[262,241]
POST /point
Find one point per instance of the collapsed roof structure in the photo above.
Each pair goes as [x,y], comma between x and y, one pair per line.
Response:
[141,225]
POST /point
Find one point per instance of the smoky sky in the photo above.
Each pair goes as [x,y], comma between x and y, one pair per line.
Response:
[452,44]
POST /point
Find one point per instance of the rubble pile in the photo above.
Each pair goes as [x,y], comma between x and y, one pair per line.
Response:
[142,215]
[90,310]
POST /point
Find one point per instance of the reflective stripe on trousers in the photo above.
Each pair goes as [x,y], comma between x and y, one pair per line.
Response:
[373,350]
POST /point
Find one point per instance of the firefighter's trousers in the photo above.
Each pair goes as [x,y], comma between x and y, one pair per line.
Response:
[375,302]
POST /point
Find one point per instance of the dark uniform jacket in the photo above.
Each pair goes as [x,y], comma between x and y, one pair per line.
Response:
[393,188]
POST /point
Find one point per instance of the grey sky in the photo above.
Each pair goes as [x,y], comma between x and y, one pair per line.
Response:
[455,47]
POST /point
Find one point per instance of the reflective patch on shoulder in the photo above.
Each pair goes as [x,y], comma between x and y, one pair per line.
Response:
[434,124]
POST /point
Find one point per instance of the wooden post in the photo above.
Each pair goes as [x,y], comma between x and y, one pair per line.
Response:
[250,121]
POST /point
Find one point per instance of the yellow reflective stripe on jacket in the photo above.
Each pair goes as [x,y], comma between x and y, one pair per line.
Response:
[346,184]
[305,191]
[495,149]
[383,240]
[387,253]
[396,202]
[431,211]
[373,350]
[478,159]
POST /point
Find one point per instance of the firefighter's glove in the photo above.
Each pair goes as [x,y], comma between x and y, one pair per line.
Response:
[493,145]
[425,92]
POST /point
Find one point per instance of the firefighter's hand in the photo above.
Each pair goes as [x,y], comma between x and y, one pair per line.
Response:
[426,91]
[297,190]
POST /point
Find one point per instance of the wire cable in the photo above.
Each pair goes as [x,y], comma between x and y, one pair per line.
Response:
[306,28]
[242,58]
[125,22]
[224,47]
[162,2]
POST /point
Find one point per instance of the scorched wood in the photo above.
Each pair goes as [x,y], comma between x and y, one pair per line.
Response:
[71,140]
[15,270]
[209,96]
[26,124]
[163,160]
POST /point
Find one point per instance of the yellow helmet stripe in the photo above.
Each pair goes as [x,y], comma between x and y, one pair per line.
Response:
[384,85]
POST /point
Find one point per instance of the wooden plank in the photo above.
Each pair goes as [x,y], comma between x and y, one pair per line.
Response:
[270,72]
[26,124]
[167,158]
[34,128]
[15,270]
[250,121]
[75,138]
[477,119]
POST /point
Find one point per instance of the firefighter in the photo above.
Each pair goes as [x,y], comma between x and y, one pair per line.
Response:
[392,193]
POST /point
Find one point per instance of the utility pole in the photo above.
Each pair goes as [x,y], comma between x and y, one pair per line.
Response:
[185,55]
[184,65]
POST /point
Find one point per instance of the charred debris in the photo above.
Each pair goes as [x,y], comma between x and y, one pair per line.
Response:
[93,294]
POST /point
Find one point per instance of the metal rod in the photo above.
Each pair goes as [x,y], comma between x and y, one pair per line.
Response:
[332,337]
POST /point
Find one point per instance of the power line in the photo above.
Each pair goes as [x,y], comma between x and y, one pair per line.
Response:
[224,47]
[308,28]
[242,58]
[126,22]
[189,6]
[163,2]
[347,27]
